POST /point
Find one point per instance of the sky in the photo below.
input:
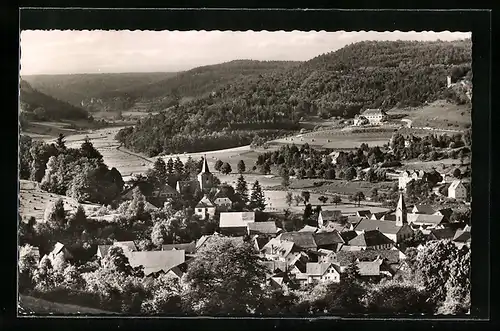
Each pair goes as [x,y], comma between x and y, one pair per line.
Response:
[96,51]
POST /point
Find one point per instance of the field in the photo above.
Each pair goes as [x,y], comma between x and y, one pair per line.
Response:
[31,305]
[439,115]
[33,201]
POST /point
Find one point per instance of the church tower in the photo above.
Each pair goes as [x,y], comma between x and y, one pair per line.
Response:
[205,176]
[401,217]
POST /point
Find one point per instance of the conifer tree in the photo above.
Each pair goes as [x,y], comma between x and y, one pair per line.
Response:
[170,166]
[257,198]
[242,189]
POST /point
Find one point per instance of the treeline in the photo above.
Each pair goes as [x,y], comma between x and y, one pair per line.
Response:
[154,138]
[78,173]
[41,107]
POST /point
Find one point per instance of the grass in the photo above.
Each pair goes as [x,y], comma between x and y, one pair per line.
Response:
[31,305]
[33,201]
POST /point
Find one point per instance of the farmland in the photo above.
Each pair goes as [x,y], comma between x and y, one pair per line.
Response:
[33,201]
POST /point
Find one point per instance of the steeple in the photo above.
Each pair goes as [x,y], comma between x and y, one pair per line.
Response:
[205,165]
[401,217]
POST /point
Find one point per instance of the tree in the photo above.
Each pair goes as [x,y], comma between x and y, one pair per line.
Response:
[329,173]
[54,214]
[60,142]
[165,297]
[224,278]
[160,171]
[178,167]
[43,277]
[306,195]
[323,199]
[241,167]
[457,173]
[28,263]
[289,198]
[170,166]
[307,213]
[374,194]
[226,168]
[397,298]
[78,220]
[298,199]
[158,234]
[358,197]
[257,198]
[351,272]
[136,207]
[349,173]
[242,189]
[265,168]
[88,150]
[218,165]
[285,179]
[336,199]
[116,261]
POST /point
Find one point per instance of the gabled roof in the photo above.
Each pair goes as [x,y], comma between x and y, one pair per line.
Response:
[304,240]
[348,235]
[278,247]
[328,238]
[373,112]
[378,215]
[58,247]
[354,219]
[262,227]
[345,257]
[167,189]
[330,215]
[189,248]
[389,217]
[389,227]
[425,219]
[308,228]
[317,269]
[221,200]
[175,271]
[154,261]
[462,236]
[260,242]
[205,203]
[126,245]
[207,238]
[275,266]
[331,226]
[369,239]
[445,233]
[364,213]
[236,219]
[103,249]
[423,209]
[455,184]
[369,268]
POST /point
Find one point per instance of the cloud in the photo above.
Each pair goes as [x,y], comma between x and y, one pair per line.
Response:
[125,51]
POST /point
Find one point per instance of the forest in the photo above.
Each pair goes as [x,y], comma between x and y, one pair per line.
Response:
[342,83]
[41,107]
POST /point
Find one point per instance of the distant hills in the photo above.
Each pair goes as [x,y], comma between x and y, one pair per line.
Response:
[35,105]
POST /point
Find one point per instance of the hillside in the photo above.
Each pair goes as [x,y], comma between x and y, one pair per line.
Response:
[35,105]
[364,75]
[76,88]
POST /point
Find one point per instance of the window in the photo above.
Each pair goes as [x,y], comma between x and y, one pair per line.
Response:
[199,210]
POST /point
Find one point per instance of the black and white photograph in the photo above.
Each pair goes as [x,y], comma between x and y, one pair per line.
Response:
[244,173]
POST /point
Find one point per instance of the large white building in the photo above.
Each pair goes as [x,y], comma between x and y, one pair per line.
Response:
[375,116]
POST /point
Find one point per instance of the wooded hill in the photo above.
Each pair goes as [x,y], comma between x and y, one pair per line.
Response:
[363,75]
[36,105]
[76,88]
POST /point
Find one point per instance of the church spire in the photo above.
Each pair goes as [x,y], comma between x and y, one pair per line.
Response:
[205,165]
[401,216]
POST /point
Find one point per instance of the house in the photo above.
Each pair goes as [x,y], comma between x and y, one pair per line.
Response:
[364,213]
[457,190]
[60,249]
[375,116]
[407,176]
[377,215]
[281,250]
[328,240]
[445,212]
[309,228]
[332,226]
[165,192]
[156,261]
[274,267]
[259,242]
[102,250]
[126,246]
[373,239]
[326,216]
[322,272]
[428,220]
[235,223]
[189,248]
[205,208]
[370,268]
[388,228]
[268,229]
[223,203]
[348,235]
[462,237]
[325,256]
[303,240]
[423,209]
[440,234]
[360,120]
[392,256]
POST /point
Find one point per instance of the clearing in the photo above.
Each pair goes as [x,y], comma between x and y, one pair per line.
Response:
[33,201]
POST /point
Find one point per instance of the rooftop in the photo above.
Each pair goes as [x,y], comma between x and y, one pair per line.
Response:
[425,219]
[389,227]
[369,239]
[262,227]
[236,219]
[304,240]
[154,261]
